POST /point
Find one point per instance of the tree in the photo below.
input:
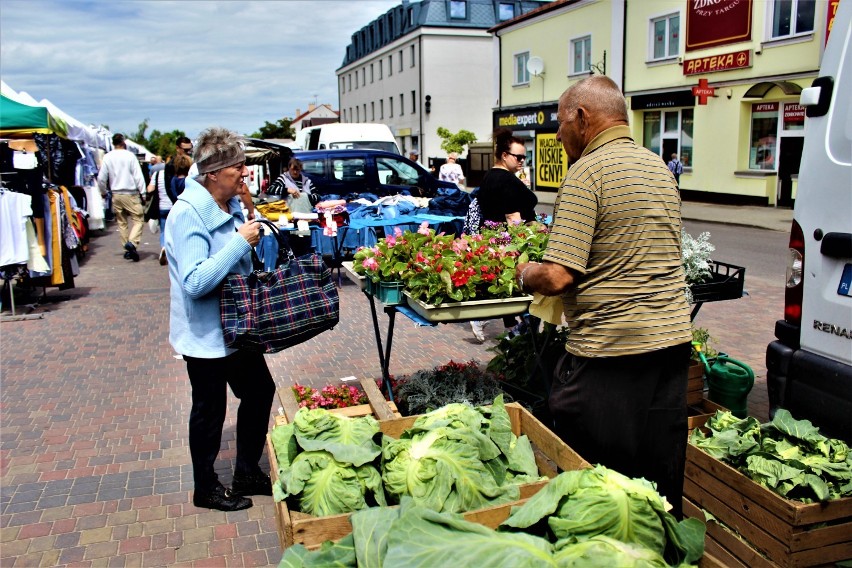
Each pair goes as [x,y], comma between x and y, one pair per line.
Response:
[160,143]
[280,129]
[455,142]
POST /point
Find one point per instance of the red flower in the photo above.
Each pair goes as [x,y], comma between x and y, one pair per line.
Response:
[459,278]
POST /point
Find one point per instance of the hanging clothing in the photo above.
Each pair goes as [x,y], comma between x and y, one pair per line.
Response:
[15,209]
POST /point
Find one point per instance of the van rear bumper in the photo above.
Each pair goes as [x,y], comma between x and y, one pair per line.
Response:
[811,387]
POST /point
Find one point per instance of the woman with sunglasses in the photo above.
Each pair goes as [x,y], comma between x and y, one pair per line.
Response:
[504,198]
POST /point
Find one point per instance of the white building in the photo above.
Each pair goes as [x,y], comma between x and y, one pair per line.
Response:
[424,65]
[315,115]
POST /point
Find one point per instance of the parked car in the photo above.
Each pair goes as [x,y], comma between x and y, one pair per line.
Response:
[341,172]
[809,367]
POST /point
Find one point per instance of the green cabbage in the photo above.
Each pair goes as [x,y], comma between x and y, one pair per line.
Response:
[350,440]
[577,505]
[604,552]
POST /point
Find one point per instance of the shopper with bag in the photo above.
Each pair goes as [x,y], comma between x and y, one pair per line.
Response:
[207,238]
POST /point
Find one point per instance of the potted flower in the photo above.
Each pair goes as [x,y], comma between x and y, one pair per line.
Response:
[328,397]
[437,268]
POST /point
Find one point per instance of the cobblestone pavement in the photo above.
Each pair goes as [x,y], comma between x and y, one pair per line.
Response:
[94,463]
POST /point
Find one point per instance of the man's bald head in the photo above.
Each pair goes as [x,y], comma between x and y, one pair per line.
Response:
[586,109]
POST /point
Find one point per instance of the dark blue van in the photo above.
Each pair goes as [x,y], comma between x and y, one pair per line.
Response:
[343,172]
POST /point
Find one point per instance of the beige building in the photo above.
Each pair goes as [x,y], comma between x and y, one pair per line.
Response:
[716,83]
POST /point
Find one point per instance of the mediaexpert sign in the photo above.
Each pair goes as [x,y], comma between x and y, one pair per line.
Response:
[723,62]
[717,22]
[528,118]
[551,162]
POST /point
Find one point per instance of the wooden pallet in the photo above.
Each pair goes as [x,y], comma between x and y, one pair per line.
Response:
[551,453]
[779,531]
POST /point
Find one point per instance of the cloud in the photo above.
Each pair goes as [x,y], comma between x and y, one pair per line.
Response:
[181,64]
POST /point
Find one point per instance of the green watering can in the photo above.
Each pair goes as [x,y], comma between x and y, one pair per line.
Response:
[730,381]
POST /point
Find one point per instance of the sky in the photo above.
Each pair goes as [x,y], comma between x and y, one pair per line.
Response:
[185,64]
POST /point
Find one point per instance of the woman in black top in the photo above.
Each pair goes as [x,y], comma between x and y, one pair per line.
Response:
[503,198]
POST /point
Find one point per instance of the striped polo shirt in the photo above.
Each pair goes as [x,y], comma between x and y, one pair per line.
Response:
[617,223]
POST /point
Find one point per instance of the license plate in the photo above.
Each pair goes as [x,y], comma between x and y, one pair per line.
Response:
[845,288]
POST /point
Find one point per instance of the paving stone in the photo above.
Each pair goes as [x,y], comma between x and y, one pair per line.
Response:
[202,534]
[41,543]
[95,535]
[100,550]
[67,540]
[194,551]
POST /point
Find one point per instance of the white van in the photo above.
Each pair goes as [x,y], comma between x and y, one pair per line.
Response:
[809,368]
[347,136]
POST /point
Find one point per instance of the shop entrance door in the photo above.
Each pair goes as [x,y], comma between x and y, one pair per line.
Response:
[790,156]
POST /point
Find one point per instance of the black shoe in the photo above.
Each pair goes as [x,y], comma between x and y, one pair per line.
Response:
[252,484]
[221,499]
[131,253]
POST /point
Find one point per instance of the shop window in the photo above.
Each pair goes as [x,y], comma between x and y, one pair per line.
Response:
[665,37]
[506,11]
[522,76]
[458,9]
[581,55]
[764,136]
[792,17]
[794,117]
[669,132]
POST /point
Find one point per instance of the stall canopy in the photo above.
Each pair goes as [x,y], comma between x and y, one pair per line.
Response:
[77,131]
[19,120]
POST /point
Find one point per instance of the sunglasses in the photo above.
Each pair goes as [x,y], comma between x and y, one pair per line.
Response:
[519,157]
[185,149]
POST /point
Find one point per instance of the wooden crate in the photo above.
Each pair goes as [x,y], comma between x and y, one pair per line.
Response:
[551,453]
[788,533]
[377,406]
[695,384]
[700,413]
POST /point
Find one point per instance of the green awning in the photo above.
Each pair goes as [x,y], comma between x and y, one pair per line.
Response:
[18,119]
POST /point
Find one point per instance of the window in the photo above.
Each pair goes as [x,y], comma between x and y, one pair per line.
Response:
[390,107]
[390,65]
[313,167]
[396,172]
[665,36]
[791,17]
[411,16]
[365,112]
[522,76]
[458,9]
[401,105]
[349,169]
[357,114]
[363,76]
[669,132]
[411,50]
[581,55]
[764,136]
[400,61]
[382,109]
[505,11]
[349,81]
[413,102]
[372,74]
[344,115]
[373,110]
[380,69]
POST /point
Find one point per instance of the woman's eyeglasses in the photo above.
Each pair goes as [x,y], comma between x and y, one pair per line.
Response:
[519,157]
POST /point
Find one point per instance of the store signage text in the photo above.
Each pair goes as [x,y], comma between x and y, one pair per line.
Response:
[764,107]
[794,113]
[532,118]
[712,63]
[702,91]
[717,22]
[551,162]
[830,14]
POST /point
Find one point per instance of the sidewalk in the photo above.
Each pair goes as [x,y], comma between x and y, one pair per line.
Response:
[94,462]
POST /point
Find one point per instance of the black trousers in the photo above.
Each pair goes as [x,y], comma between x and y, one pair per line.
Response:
[250,381]
[627,413]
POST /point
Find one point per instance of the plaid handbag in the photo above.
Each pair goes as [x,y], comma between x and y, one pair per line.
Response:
[268,311]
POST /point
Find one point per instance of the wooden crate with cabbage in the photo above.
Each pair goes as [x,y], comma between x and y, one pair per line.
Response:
[776,494]
[477,486]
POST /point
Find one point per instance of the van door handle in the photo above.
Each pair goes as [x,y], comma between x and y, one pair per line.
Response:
[837,245]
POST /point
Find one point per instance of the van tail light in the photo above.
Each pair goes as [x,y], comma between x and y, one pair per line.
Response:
[795,276]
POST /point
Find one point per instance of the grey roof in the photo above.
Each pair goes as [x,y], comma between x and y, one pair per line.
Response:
[409,16]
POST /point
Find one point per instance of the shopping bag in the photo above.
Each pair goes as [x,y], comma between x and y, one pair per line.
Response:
[268,311]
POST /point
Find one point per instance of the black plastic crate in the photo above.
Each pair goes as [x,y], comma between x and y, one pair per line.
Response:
[726,283]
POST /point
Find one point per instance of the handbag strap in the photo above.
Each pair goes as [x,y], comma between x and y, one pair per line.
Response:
[284,249]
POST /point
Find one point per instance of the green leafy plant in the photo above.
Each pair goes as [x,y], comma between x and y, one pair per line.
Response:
[427,390]
[788,456]
[455,142]
[438,268]
[695,253]
[702,335]
[516,358]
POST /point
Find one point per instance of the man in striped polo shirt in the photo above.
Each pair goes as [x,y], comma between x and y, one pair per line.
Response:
[614,256]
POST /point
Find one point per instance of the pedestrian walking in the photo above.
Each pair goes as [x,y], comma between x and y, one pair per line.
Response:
[121,175]
[614,255]
[676,168]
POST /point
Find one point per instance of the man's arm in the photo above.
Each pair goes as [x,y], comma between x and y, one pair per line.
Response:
[546,278]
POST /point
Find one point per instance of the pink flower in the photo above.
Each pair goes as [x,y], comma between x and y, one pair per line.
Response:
[420,257]
[370,264]
[397,232]
[391,241]
[424,228]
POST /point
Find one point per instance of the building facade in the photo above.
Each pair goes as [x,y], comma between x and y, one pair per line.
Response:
[715,82]
[315,115]
[424,65]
